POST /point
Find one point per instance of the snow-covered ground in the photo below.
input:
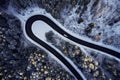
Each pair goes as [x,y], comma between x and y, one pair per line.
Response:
[39,29]
[104,13]
[23,18]
[72,27]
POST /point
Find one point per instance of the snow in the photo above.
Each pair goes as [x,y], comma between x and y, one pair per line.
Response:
[70,21]
[35,11]
[40,31]
[105,11]
[116,28]
[77,69]
[39,28]
[37,31]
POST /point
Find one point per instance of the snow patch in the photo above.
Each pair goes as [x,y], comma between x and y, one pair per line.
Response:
[40,28]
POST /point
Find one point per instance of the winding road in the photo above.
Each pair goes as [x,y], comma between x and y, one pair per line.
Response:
[62,32]
[28,29]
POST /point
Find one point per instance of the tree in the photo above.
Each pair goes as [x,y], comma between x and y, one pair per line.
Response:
[49,36]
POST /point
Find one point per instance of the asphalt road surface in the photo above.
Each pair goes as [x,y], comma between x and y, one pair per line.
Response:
[64,33]
[28,28]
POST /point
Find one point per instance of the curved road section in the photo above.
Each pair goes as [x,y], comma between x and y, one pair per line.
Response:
[28,29]
[62,32]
